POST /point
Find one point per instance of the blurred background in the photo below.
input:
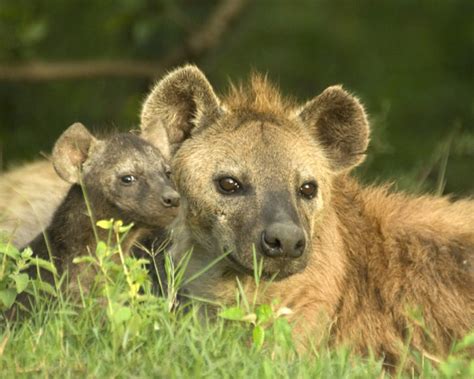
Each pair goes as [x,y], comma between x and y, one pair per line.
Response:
[411,63]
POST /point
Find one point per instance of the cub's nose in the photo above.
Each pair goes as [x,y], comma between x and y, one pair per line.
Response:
[283,240]
[170,198]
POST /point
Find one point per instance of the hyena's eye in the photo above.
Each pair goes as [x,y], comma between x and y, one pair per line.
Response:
[128,180]
[167,171]
[308,190]
[228,185]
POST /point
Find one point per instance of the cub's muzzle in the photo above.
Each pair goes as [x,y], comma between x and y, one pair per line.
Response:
[170,198]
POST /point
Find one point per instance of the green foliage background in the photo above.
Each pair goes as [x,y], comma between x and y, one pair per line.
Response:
[411,63]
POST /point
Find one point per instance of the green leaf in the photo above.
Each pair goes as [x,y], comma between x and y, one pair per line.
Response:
[258,336]
[21,282]
[138,261]
[126,228]
[234,314]
[27,253]
[42,286]
[121,315]
[9,250]
[135,324]
[83,259]
[264,313]
[105,224]
[465,343]
[44,264]
[7,297]
[117,225]
[451,367]
[101,249]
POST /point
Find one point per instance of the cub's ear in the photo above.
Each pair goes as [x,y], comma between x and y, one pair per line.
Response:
[339,124]
[71,151]
[178,104]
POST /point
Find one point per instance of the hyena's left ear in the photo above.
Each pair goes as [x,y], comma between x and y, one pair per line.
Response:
[179,103]
[339,123]
[71,150]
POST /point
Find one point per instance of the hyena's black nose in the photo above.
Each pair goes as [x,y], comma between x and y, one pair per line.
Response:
[170,198]
[283,240]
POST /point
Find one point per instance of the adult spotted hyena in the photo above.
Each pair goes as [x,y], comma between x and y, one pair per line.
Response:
[257,172]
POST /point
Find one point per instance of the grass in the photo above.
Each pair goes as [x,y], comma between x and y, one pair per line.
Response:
[68,342]
[120,329]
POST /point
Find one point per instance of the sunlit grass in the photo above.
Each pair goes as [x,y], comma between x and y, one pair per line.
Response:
[119,328]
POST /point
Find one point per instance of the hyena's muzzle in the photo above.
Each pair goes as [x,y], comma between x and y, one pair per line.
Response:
[277,236]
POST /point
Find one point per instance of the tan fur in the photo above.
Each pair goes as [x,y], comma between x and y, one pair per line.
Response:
[29,194]
[371,255]
[259,96]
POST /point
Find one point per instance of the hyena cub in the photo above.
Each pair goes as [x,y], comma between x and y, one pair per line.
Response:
[124,178]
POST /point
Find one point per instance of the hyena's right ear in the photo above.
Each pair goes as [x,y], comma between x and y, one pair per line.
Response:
[179,103]
[71,151]
[339,123]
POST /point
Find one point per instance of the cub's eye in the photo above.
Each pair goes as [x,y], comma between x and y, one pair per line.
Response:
[308,190]
[168,172]
[228,185]
[127,180]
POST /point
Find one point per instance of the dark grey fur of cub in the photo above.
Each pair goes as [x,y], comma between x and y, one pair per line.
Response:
[124,177]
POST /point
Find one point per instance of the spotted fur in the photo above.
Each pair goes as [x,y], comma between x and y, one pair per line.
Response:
[371,254]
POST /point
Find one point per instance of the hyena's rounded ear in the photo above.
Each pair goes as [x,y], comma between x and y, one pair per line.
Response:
[178,104]
[71,150]
[339,123]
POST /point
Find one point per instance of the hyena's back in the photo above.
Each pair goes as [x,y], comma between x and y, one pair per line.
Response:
[29,195]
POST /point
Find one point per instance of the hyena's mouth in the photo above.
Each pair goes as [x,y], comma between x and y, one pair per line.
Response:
[277,275]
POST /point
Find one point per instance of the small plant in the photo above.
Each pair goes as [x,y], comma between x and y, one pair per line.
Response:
[460,363]
[124,283]
[14,279]
[265,318]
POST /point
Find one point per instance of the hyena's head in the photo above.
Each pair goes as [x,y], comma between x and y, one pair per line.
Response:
[254,171]
[125,176]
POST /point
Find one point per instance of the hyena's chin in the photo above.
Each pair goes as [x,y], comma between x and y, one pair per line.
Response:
[161,218]
[270,271]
